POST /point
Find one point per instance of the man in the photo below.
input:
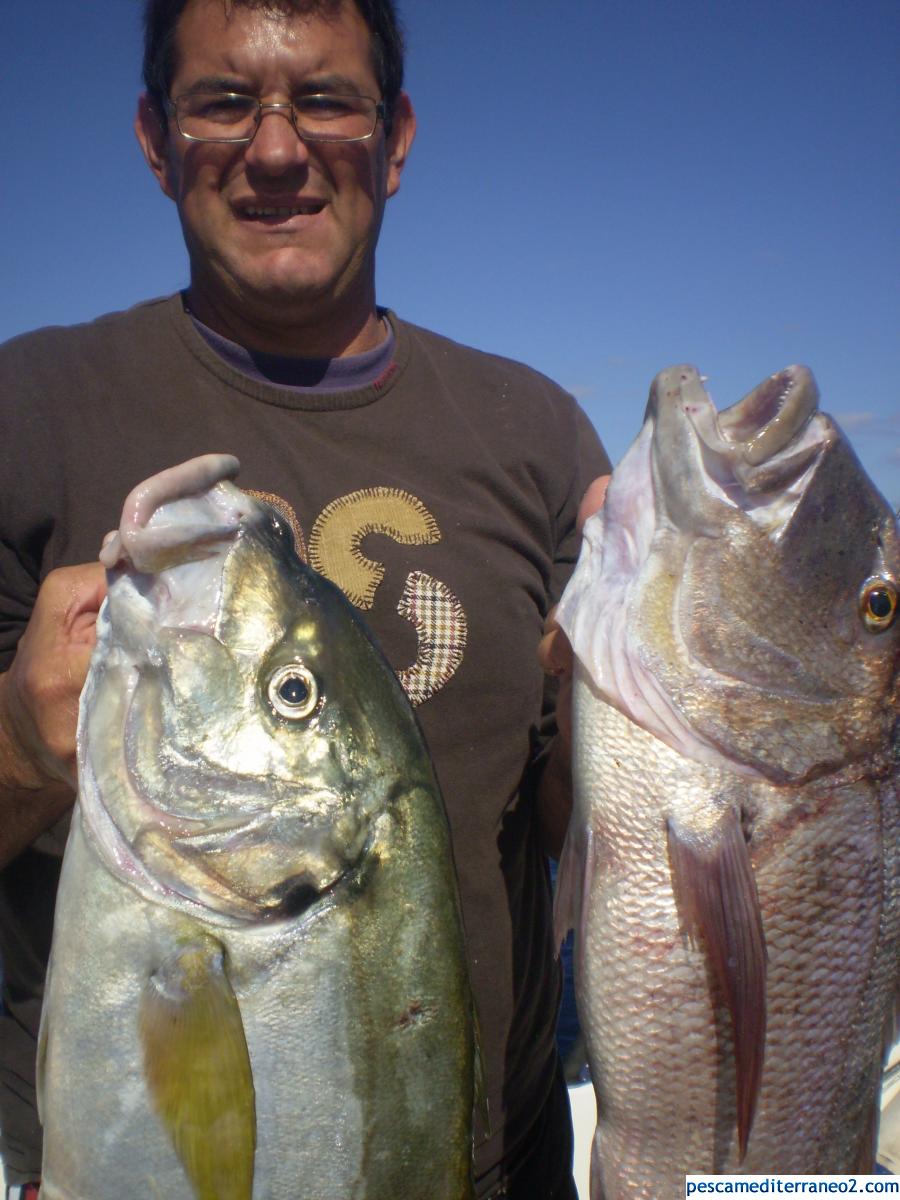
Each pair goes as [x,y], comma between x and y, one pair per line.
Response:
[280,130]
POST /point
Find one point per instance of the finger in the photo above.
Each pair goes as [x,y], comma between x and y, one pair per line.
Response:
[554,651]
[592,500]
[86,592]
[78,662]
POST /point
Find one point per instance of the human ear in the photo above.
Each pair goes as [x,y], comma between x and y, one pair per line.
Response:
[153,138]
[399,141]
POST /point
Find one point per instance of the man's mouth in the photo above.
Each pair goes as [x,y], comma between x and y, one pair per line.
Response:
[279,212]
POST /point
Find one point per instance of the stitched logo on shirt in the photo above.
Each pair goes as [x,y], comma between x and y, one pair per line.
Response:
[442,630]
[335,551]
[334,544]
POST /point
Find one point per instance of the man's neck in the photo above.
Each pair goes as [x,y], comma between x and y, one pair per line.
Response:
[340,337]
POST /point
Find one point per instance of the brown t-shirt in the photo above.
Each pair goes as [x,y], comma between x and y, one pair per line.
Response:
[441,498]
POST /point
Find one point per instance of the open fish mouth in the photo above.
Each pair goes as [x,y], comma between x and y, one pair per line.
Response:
[769,418]
[756,455]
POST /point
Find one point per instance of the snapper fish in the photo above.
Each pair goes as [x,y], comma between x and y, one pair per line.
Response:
[258,986]
[732,868]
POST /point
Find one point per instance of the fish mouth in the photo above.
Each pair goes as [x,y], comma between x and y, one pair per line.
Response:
[148,540]
[755,455]
[772,416]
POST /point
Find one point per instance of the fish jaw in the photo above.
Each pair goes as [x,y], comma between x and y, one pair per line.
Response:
[174,514]
[164,562]
[752,456]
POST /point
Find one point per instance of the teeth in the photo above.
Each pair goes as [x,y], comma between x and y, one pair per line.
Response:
[281,212]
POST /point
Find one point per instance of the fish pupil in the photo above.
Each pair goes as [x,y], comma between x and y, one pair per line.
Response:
[880,603]
[294,691]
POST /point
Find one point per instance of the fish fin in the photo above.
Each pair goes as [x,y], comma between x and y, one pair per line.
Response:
[596,1174]
[889,1121]
[715,890]
[198,1069]
[564,894]
[889,1135]
[40,1073]
[573,882]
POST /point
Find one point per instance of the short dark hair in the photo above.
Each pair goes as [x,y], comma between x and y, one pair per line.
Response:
[161,20]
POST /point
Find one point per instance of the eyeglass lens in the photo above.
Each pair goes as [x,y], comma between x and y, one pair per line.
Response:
[225,116]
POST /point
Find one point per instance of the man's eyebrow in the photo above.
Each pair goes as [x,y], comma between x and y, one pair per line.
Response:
[215,83]
[339,85]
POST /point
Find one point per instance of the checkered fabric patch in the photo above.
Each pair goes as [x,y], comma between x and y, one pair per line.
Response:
[441,625]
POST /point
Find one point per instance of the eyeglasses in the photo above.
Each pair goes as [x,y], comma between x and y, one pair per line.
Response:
[228,117]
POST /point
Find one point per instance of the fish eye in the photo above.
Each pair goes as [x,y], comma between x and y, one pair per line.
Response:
[293,691]
[878,604]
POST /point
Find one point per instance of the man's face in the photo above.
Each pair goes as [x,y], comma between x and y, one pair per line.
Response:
[315,256]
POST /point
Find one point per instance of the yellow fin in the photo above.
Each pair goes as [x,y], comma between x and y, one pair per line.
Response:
[198,1069]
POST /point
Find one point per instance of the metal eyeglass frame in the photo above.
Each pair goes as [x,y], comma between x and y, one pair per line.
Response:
[379,113]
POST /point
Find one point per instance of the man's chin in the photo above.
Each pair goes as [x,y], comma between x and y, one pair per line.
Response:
[276,294]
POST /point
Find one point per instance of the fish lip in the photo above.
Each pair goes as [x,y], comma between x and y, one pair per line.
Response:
[749,455]
[772,416]
[764,423]
[127,546]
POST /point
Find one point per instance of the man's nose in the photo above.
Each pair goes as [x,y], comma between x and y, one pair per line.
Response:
[276,145]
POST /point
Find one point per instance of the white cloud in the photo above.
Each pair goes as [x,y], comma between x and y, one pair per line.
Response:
[581,391]
[854,420]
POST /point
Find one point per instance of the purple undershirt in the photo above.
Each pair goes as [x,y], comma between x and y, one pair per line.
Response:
[304,374]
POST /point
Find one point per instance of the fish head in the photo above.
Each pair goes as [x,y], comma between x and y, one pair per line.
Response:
[241,736]
[737,595]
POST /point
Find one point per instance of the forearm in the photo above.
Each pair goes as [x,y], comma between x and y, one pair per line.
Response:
[25,815]
[30,800]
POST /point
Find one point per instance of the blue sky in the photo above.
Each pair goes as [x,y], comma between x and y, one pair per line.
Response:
[599,188]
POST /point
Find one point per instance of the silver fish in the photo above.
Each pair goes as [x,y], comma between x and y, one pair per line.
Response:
[258,985]
[732,865]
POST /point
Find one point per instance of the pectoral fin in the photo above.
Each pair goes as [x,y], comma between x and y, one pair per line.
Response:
[41,1060]
[198,1069]
[565,904]
[715,891]
[574,876]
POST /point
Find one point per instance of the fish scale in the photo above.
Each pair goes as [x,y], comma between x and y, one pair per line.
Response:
[732,867]
[653,1030]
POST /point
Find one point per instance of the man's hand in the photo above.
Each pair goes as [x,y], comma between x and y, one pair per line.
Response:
[39,693]
[555,656]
